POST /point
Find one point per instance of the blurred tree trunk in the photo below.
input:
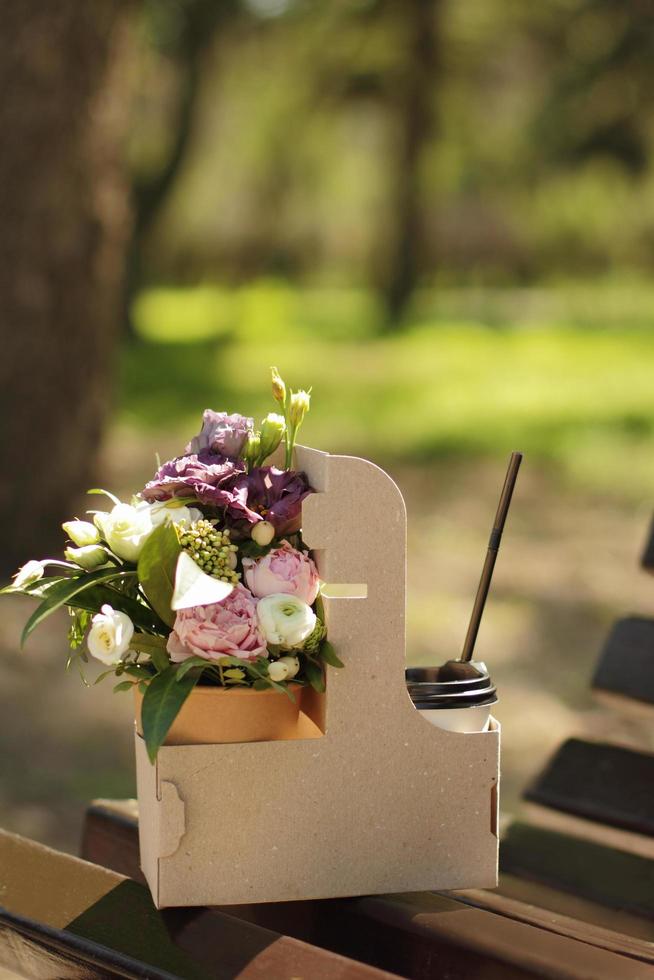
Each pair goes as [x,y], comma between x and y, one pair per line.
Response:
[197,24]
[413,109]
[62,241]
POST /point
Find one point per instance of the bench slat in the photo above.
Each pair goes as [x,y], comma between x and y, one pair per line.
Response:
[625,668]
[613,878]
[81,915]
[608,784]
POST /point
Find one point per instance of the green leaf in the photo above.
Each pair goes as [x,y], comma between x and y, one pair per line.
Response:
[136,670]
[154,647]
[261,684]
[105,493]
[319,607]
[328,654]
[193,587]
[184,667]
[62,592]
[96,596]
[124,686]
[315,675]
[227,661]
[156,568]
[39,589]
[163,699]
[105,673]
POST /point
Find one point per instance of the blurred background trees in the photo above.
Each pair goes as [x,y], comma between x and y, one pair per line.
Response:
[396,143]
[173,166]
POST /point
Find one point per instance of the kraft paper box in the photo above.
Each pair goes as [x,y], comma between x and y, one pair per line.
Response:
[381,801]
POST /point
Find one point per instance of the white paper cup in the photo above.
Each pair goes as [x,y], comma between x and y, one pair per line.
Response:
[475,718]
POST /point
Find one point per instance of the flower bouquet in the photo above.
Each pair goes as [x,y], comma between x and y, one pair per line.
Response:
[200,585]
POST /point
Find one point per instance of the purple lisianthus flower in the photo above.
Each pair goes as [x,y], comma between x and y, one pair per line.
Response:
[221,433]
[206,476]
[268,494]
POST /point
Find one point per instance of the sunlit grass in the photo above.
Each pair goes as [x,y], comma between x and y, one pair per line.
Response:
[578,395]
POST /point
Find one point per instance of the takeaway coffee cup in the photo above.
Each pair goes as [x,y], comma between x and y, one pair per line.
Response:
[455,704]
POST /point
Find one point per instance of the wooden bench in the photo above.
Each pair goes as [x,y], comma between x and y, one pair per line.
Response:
[467,934]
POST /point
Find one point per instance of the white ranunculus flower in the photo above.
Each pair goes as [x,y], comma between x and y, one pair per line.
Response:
[170,510]
[285,620]
[125,529]
[110,636]
[81,533]
[30,573]
[88,557]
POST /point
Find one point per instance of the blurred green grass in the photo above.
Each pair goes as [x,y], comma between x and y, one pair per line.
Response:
[565,374]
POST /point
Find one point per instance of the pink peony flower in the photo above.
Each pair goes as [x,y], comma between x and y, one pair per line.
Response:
[285,569]
[222,629]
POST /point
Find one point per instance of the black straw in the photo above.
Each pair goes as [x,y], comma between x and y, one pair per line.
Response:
[491,555]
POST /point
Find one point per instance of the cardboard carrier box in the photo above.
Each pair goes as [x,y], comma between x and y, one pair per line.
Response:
[371,797]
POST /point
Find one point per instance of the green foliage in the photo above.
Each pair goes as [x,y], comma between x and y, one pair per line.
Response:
[164,696]
[315,674]
[123,686]
[63,592]
[154,647]
[80,620]
[190,663]
[156,570]
[93,598]
[328,655]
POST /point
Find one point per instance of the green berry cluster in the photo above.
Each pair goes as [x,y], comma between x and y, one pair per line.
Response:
[211,549]
[315,638]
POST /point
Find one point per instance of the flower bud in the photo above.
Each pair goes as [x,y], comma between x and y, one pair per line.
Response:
[278,386]
[28,574]
[88,557]
[277,671]
[262,533]
[252,449]
[300,404]
[292,664]
[81,533]
[272,432]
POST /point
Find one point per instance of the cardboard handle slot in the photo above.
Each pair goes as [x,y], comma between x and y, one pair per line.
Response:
[173,827]
[345,591]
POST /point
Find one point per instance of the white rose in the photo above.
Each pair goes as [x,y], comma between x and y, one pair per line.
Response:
[125,529]
[88,557]
[30,573]
[82,533]
[170,510]
[285,620]
[110,636]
